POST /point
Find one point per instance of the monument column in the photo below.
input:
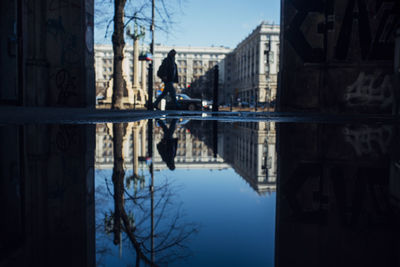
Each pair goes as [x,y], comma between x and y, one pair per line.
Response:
[135,85]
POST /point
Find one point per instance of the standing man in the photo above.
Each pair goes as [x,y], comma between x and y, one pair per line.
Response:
[169,75]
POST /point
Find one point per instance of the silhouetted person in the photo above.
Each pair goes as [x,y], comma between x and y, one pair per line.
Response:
[167,146]
[168,72]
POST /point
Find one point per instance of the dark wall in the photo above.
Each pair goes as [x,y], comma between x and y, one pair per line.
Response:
[336,200]
[46,53]
[8,52]
[338,55]
[47,195]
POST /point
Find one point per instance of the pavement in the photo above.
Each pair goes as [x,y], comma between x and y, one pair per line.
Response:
[37,115]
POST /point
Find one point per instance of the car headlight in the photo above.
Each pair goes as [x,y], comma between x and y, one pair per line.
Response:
[204,103]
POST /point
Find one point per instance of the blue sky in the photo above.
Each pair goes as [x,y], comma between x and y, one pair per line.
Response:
[213,22]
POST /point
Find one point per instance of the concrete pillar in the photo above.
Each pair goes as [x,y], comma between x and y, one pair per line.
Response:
[8,52]
[396,71]
[59,54]
[333,162]
[47,195]
[337,56]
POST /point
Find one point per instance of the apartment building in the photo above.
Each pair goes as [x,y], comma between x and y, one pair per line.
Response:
[252,67]
[193,63]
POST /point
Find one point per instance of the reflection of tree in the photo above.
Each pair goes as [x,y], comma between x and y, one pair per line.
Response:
[165,236]
[135,179]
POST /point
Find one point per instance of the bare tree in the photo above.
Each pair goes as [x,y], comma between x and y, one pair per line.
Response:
[132,215]
[118,42]
[129,10]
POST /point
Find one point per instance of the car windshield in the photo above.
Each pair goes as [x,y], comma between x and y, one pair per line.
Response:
[182,96]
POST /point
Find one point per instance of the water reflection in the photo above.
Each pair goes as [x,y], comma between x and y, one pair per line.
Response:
[148,218]
[248,147]
[338,195]
[336,186]
[168,144]
[47,195]
[180,145]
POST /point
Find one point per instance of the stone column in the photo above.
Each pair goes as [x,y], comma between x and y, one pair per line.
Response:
[135,84]
[135,147]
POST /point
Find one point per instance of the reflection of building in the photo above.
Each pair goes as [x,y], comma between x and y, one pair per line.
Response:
[134,145]
[249,147]
[253,66]
[191,152]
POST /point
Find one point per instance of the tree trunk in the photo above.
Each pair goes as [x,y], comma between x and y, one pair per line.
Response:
[118,42]
[118,178]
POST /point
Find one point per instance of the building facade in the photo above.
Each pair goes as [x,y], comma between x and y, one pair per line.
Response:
[247,73]
[192,62]
[252,68]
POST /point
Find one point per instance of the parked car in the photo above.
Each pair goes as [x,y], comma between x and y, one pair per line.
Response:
[207,104]
[185,102]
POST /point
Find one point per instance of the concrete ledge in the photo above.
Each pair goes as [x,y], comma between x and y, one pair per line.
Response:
[38,115]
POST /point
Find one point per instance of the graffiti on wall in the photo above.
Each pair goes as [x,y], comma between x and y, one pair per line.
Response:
[64,35]
[375,42]
[370,90]
[67,138]
[372,22]
[371,141]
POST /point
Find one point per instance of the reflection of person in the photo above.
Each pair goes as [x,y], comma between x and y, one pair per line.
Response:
[167,146]
[169,77]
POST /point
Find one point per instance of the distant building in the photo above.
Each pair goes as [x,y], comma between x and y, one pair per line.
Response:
[247,73]
[193,63]
[252,68]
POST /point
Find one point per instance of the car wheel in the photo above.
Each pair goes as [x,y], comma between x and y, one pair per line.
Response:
[192,107]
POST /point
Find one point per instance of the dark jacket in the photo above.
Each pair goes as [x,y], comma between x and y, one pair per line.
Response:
[170,70]
[167,150]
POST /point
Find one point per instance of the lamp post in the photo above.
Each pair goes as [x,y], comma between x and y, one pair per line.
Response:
[136,36]
[151,67]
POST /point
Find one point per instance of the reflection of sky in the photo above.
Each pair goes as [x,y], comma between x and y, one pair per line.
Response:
[237,226]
